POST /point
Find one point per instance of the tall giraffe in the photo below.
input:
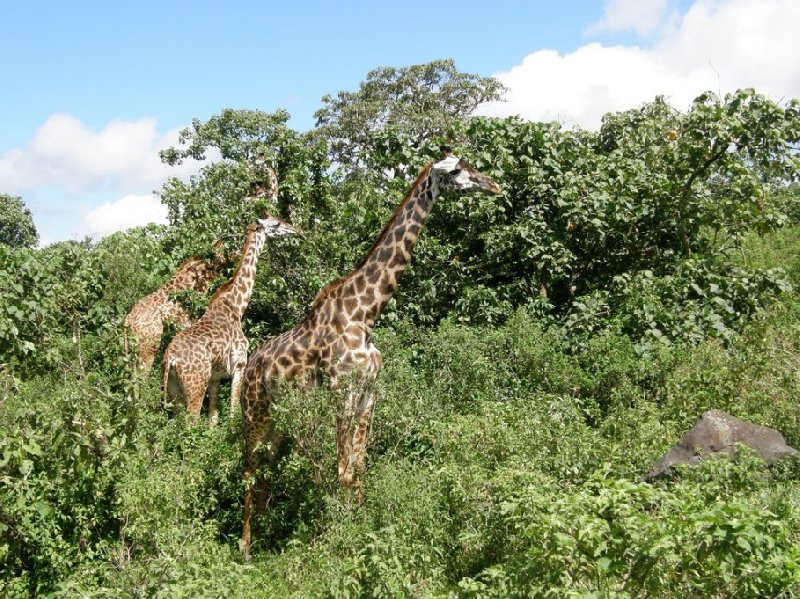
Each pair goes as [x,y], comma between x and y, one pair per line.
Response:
[335,339]
[215,347]
[146,319]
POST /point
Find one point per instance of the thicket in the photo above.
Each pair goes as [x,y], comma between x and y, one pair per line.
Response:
[545,347]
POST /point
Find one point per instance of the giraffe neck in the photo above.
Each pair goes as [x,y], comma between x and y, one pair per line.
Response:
[272,184]
[374,281]
[234,296]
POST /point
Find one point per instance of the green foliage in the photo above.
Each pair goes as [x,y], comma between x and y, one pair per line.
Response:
[27,305]
[58,466]
[546,346]
[651,186]
[52,298]
[502,463]
[701,299]
[421,102]
[16,223]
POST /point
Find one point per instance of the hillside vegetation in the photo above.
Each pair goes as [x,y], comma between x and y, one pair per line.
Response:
[545,347]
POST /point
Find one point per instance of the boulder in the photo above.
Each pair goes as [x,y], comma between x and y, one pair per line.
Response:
[717,433]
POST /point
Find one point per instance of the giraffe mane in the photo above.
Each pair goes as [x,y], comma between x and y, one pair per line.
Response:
[220,290]
[341,280]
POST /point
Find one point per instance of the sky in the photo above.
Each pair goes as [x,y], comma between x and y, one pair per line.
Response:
[90,91]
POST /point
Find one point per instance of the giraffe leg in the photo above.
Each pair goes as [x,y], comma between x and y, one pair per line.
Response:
[239,362]
[360,435]
[194,385]
[344,439]
[250,468]
[172,388]
[259,430]
[271,443]
[213,397]
[358,417]
[236,389]
[256,488]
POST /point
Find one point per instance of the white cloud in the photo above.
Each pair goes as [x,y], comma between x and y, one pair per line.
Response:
[65,153]
[128,211]
[717,45]
[80,181]
[642,16]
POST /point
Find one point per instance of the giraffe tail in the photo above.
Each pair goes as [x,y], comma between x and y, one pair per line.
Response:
[169,375]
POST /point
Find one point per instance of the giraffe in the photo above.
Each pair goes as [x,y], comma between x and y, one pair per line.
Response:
[215,347]
[257,188]
[335,339]
[146,319]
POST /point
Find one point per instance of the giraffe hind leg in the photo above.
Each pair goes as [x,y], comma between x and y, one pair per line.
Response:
[213,395]
[260,435]
[173,389]
[187,388]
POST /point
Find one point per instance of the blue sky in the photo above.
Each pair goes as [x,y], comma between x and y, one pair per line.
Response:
[90,91]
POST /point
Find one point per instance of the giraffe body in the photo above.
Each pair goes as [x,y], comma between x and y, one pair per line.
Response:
[335,339]
[215,347]
[146,319]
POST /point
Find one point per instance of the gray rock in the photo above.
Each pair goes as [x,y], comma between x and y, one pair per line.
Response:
[717,433]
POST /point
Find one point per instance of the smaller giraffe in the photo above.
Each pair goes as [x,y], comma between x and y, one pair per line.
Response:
[257,188]
[215,347]
[146,319]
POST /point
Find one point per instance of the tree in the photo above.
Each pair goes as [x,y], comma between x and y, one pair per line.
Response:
[216,200]
[420,101]
[655,193]
[16,223]
[216,204]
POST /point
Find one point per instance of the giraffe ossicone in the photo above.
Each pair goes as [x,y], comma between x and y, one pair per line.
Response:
[215,347]
[335,339]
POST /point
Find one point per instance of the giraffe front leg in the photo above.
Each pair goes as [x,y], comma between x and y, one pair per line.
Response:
[236,389]
[344,449]
[359,430]
[249,470]
[352,432]
[366,407]
[260,434]
[344,431]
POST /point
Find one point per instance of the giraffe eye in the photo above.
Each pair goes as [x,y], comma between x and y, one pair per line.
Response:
[455,172]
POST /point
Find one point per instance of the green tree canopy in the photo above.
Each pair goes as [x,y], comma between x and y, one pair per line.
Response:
[420,101]
[216,203]
[16,223]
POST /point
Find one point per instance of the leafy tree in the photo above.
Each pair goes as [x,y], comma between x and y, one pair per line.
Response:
[16,223]
[238,135]
[216,204]
[421,101]
[580,208]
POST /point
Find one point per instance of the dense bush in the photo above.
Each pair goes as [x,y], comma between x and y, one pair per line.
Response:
[544,349]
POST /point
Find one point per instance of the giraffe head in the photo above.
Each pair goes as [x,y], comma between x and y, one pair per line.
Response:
[275,227]
[199,274]
[455,174]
